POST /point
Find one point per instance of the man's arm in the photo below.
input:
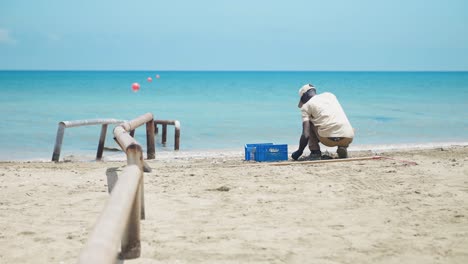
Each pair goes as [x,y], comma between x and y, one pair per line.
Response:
[303,141]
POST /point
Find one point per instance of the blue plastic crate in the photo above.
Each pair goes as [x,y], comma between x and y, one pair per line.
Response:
[251,149]
[271,152]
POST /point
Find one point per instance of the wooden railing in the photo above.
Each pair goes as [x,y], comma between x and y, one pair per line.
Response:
[147,119]
[119,223]
[164,124]
[76,123]
[129,126]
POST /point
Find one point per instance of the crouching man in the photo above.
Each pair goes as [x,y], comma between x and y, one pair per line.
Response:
[324,121]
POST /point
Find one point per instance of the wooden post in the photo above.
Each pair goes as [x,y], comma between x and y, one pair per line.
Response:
[131,247]
[102,140]
[135,157]
[131,244]
[176,135]
[58,142]
[164,134]
[142,198]
[150,146]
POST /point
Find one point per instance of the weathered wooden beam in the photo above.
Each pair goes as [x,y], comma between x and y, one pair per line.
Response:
[58,142]
[176,135]
[165,122]
[164,134]
[128,144]
[131,238]
[123,138]
[102,140]
[133,124]
[104,241]
[89,122]
[135,157]
[119,223]
[150,144]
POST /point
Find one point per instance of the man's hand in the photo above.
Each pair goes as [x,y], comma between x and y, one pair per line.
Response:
[296,154]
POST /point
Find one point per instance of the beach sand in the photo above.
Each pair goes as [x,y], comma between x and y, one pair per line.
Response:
[372,211]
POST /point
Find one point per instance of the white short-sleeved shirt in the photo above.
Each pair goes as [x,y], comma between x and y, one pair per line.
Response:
[326,113]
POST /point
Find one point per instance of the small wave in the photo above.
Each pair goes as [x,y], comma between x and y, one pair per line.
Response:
[383,118]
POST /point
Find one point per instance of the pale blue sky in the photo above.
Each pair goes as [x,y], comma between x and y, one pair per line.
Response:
[234,35]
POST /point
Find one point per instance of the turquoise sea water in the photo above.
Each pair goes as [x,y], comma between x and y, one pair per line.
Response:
[225,110]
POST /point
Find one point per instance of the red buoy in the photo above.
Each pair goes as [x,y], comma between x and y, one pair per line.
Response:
[135,87]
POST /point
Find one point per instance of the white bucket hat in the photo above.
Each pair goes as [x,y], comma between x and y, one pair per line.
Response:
[303,90]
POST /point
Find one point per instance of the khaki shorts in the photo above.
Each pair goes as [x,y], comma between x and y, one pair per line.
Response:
[343,142]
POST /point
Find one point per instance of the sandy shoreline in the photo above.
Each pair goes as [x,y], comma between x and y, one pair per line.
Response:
[113,153]
[374,211]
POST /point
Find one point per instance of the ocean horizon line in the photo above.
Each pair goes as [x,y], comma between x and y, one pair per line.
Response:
[236,71]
